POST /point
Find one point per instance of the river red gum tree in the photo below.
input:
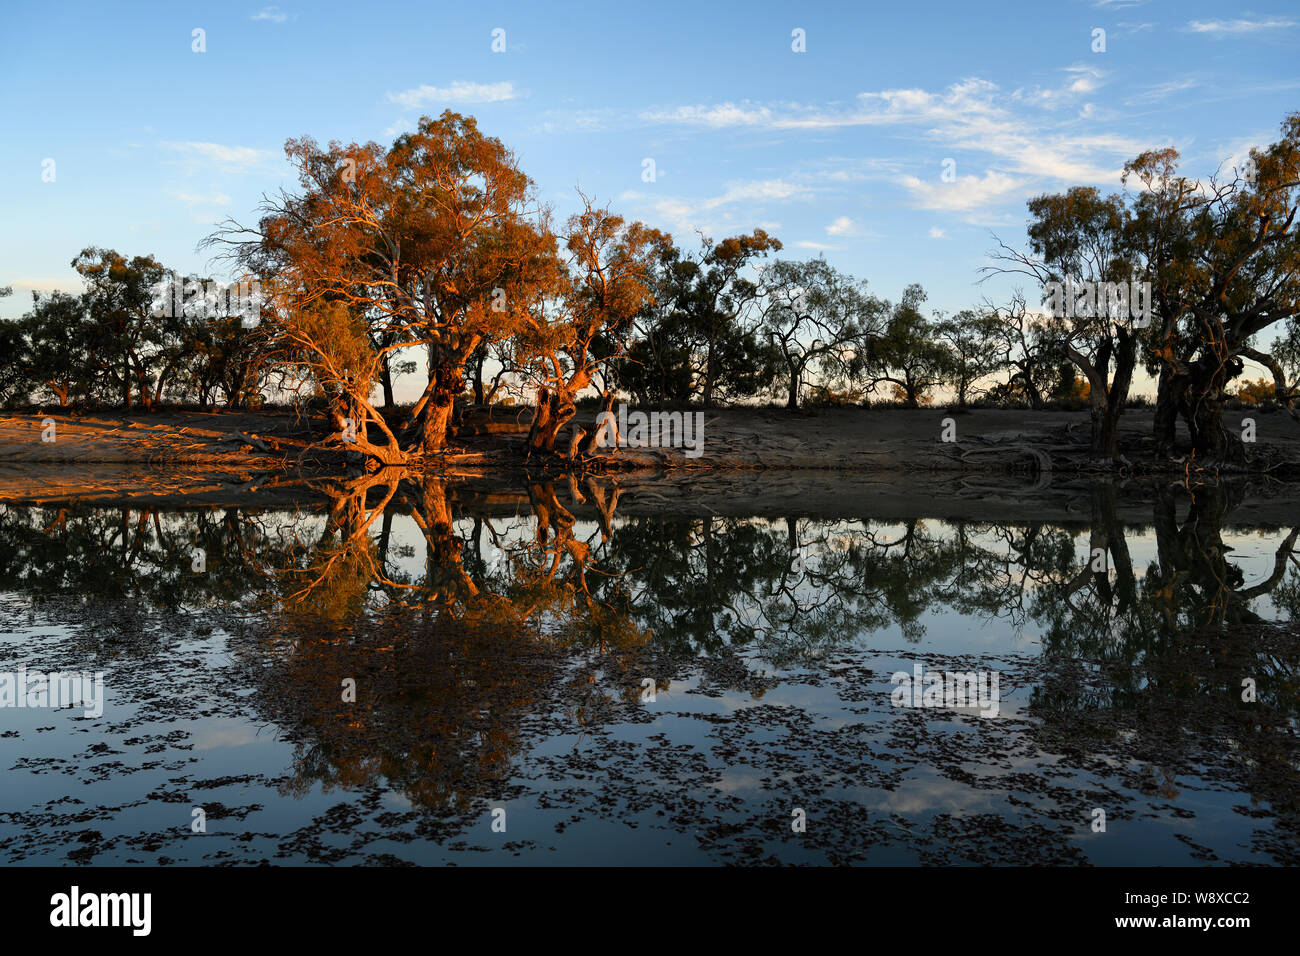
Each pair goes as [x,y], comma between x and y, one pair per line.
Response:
[588,324]
[436,243]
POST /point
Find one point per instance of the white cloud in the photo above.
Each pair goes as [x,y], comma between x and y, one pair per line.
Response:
[843,226]
[937,233]
[970,115]
[272,14]
[712,214]
[1237,27]
[215,154]
[1081,80]
[722,115]
[816,246]
[1017,139]
[458,92]
[965,193]
[758,191]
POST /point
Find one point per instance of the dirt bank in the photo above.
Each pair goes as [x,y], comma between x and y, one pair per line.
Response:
[230,457]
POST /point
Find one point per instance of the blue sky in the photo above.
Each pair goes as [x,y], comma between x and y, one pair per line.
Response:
[838,149]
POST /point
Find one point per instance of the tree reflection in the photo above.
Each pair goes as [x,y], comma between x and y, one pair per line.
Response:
[556,591]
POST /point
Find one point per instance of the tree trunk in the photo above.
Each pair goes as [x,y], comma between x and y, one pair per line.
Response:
[554,411]
[1170,391]
[1105,433]
[793,401]
[1211,440]
[542,415]
[1032,392]
[708,376]
[1106,399]
[437,420]
[386,380]
[588,446]
[478,377]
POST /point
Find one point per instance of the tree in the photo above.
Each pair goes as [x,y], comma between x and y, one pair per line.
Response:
[970,337]
[60,348]
[700,338]
[590,322]
[658,369]
[1027,343]
[225,355]
[816,317]
[1223,258]
[325,346]
[137,345]
[907,354]
[15,375]
[436,243]
[1079,237]
[716,302]
[1285,367]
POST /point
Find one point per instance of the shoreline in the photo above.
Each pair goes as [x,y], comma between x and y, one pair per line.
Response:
[772,494]
[211,458]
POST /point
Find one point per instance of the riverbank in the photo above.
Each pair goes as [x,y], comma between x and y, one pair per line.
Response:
[232,457]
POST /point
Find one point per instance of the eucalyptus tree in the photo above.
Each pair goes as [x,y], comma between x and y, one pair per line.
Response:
[1223,256]
[1078,238]
[436,243]
[817,317]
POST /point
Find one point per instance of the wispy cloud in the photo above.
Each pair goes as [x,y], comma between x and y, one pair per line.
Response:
[458,92]
[198,199]
[271,14]
[1080,81]
[232,158]
[1018,141]
[1236,28]
[23,286]
[937,233]
[1160,91]
[722,115]
[971,115]
[763,190]
[965,193]
[713,213]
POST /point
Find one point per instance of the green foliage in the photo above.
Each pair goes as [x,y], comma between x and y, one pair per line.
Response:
[698,340]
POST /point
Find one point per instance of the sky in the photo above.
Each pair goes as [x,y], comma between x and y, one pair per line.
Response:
[838,149]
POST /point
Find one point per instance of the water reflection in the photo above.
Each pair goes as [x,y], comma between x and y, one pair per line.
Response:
[478,623]
[793,587]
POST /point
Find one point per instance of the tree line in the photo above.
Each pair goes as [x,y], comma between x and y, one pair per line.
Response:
[439,246]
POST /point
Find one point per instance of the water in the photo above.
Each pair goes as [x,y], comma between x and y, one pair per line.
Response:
[635,680]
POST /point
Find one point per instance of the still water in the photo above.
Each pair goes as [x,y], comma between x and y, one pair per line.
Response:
[560,673]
